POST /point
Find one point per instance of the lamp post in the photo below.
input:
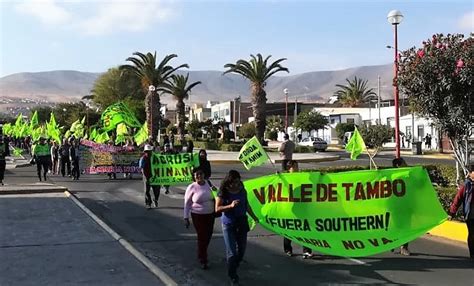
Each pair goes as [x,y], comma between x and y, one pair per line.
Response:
[286,110]
[395,17]
[151,89]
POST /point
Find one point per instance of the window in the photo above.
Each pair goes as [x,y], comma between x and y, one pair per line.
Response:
[350,120]
[333,120]
[408,130]
[227,112]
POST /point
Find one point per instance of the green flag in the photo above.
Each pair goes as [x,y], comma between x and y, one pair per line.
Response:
[356,145]
[34,120]
[252,154]
[118,113]
[142,134]
[102,137]
[93,134]
[349,214]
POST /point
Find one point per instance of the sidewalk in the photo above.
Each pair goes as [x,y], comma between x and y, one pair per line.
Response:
[223,157]
[46,239]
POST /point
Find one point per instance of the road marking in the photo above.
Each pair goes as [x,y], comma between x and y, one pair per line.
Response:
[357,261]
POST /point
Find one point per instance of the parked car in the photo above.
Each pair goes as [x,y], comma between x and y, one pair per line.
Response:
[317,143]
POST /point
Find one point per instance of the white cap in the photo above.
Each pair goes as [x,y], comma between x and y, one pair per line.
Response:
[148,147]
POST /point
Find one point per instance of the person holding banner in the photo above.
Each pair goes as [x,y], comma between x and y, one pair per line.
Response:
[199,204]
[286,151]
[168,151]
[464,197]
[204,164]
[145,165]
[292,167]
[231,201]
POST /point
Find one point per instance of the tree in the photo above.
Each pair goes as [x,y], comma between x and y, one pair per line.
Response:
[376,135]
[257,70]
[178,87]
[310,120]
[195,128]
[247,130]
[275,123]
[44,113]
[354,93]
[152,77]
[438,80]
[342,128]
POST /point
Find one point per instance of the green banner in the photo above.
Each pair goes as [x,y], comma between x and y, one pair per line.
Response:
[356,145]
[252,154]
[173,169]
[349,214]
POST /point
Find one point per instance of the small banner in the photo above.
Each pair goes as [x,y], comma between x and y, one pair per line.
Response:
[252,154]
[97,158]
[349,214]
[173,169]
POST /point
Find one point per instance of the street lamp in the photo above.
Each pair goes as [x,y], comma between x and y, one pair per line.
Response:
[286,110]
[395,17]
[151,89]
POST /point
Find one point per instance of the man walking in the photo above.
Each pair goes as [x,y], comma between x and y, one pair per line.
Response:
[145,165]
[286,151]
[4,151]
[42,155]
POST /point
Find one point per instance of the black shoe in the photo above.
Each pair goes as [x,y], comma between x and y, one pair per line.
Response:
[167,192]
[148,207]
[234,282]
[204,266]
[156,204]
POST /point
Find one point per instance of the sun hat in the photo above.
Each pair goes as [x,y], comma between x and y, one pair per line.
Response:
[148,147]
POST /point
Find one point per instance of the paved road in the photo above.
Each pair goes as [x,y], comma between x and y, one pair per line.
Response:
[161,236]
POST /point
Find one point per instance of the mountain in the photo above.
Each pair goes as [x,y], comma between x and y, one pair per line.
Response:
[58,86]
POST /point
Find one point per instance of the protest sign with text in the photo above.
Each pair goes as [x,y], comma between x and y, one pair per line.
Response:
[101,158]
[252,154]
[348,214]
[173,169]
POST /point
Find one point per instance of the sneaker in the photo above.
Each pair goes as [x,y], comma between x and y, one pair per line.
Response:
[289,253]
[156,204]
[404,251]
[167,191]
[148,207]
[307,255]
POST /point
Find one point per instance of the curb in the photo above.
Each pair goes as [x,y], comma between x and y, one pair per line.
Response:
[160,274]
[275,161]
[451,230]
[34,190]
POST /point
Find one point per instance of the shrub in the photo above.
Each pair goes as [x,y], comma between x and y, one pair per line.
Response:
[247,130]
[231,147]
[342,128]
[304,149]
[207,145]
[228,135]
[272,135]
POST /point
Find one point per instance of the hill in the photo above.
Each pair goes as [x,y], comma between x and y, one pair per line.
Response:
[60,86]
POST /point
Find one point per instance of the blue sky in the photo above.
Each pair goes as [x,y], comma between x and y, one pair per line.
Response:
[92,36]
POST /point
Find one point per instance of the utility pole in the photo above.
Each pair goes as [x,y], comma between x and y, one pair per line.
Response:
[378,98]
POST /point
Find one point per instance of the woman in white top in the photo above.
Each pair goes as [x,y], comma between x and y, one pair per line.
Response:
[199,204]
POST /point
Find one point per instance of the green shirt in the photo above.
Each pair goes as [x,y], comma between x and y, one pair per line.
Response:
[41,150]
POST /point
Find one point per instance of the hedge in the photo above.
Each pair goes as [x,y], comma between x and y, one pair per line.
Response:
[206,145]
[231,147]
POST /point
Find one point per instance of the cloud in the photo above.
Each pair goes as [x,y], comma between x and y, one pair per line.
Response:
[46,11]
[467,22]
[125,15]
[99,17]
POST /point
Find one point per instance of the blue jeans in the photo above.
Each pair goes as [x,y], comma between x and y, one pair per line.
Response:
[235,243]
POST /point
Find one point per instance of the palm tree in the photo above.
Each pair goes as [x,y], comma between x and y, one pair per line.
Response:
[178,87]
[152,78]
[354,93]
[257,71]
